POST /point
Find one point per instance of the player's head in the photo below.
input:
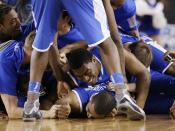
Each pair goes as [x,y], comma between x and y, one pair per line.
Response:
[10,25]
[64,22]
[142,52]
[84,65]
[117,3]
[100,105]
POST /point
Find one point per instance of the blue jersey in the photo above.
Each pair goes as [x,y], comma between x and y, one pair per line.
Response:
[11,59]
[10,2]
[85,94]
[158,63]
[125,16]
[72,36]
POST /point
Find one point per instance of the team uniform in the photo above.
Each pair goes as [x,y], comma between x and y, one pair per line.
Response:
[14,76]
[85,94]
[158,63]
[125,16]
[161,95]
[11,59]
[89,16]
[70,37]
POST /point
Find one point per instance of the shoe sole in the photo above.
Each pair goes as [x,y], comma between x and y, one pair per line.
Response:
[29,119]
[131,113]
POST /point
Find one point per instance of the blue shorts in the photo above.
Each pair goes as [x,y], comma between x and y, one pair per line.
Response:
[85,94]
[46,14]
[162,83]
[158,104]
[158,63]
[88,15]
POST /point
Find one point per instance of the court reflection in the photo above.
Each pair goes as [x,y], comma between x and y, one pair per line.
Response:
[107,124]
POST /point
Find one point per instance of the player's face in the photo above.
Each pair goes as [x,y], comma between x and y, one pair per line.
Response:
[11,25]
[91,112]
[88,72]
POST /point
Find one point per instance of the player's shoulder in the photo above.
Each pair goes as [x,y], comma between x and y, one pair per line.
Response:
[7,49]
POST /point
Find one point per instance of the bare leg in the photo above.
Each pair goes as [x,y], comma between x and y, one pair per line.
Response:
[110,56]
[39,61]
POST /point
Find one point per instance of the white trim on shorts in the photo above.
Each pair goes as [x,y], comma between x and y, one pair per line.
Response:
[79,100]
[44,50]
[98,42]
[99,12]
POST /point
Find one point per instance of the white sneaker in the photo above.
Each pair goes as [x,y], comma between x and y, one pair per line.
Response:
[128,107]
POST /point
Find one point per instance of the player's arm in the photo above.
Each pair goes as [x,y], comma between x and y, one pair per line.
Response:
[11,107]
[15,112]
[68,102]
[73,46]
[114,32]
[136,68]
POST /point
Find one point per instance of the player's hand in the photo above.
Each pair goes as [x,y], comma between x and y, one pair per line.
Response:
[30,38]
[114,87]
[113,113]
[64,108]
[52,113]
[169,56]
[63,59]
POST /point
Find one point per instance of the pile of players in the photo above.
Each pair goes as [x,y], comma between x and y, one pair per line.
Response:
[82,59]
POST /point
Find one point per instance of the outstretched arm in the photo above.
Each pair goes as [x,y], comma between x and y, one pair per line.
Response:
[136,68]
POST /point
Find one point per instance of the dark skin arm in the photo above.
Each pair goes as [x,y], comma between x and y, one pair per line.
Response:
[114,32]
[68,101]
[136,68]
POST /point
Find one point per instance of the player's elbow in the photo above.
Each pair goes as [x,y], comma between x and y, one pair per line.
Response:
[146,78]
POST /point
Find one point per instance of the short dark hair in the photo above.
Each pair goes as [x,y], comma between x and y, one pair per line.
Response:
[65,14]
[76,58]
[104,103]
[4,9]
[142,52]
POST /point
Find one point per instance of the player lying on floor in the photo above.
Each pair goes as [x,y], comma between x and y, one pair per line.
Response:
[162,92]
[15,62]
[158,62]
[91,74]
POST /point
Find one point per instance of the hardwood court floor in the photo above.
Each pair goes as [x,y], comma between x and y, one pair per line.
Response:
[153,123]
